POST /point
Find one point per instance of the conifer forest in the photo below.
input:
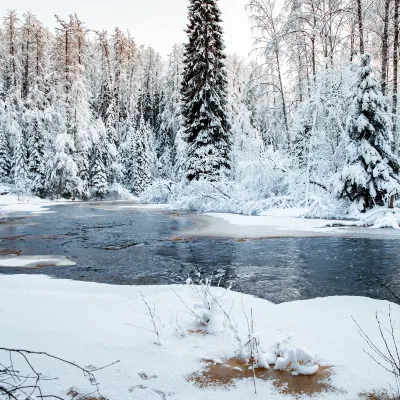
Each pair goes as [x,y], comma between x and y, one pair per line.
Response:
[309,119]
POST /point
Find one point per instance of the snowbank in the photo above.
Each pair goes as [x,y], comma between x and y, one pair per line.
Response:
[18,261]
[10,202]
[279,223]
[98,324]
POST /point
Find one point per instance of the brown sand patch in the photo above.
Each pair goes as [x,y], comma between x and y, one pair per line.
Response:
[234,369]
[177,239]
[197,332]
[44,265]
[9,252]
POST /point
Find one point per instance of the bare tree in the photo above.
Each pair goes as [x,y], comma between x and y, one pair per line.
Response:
[360,25]
[395,72]
[385,47]
[22,380]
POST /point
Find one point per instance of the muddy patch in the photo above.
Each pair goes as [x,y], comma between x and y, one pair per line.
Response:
[228,373]
[9,252]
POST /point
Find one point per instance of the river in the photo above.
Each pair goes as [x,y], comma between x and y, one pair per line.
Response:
[135,246]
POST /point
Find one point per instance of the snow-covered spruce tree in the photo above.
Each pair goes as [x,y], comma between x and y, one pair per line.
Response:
[20,168]
[171,114]
[204,94]
[371,170]
[33,121]
[143,158]
[5,162]
[100,161]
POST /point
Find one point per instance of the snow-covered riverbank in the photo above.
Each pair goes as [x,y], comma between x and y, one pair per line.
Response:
[98,324]
[280,225]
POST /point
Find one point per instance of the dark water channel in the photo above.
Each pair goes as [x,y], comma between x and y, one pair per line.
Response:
[137,247]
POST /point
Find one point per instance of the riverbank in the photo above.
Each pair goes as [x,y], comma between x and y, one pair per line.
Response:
[279,225]
[276,223]
[98,324]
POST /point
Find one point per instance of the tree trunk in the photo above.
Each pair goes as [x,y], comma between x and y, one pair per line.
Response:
[385,47]
[360,25]
[395,73]
[285,118]
[392,201]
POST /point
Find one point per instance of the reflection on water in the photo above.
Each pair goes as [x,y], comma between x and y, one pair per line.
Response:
[130,246]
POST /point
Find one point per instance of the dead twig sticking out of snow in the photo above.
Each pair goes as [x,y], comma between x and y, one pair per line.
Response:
[389,289]
[389,358]
[152,314]
[15,383]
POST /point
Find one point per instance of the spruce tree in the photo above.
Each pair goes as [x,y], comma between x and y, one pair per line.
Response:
[20,165]
[371,169]
[204,94]
[99,180]
[34,126]
[5,162]
[143,158]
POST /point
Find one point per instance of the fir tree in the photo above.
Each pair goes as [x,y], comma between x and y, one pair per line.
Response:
[20,165]
[204,93]
[5,162]
[101,161]
[99,180]
[143,158]
[370,171]
[34,127]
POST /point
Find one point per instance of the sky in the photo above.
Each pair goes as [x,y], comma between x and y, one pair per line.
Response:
[159,23]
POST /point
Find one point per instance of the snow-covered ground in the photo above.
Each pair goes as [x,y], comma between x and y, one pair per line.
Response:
[98,324]
[17,261]
[290,223]
[11,202]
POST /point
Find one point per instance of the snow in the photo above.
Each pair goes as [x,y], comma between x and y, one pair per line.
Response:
[278,223]
[285,223]
[98,324]
[13,203]
[34,261]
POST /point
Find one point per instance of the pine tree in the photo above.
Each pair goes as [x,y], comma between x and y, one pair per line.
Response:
[370,171]
[204,94]
[5,162]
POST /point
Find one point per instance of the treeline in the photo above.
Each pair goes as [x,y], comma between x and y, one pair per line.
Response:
[83,110]
[307,122]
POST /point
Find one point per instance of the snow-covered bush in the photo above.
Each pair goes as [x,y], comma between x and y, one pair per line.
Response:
[159,192]
[119,192]
[208,308]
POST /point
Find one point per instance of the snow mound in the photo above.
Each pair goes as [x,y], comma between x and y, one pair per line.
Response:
[34,261]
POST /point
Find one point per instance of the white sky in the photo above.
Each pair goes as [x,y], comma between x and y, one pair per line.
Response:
[159,23]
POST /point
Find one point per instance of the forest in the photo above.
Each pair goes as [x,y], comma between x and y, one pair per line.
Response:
[309,119]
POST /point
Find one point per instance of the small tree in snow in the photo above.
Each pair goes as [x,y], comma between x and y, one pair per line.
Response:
[371,170]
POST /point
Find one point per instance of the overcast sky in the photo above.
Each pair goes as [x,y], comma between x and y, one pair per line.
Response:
[159,23]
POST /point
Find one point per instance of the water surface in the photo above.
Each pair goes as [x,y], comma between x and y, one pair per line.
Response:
[130,246]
